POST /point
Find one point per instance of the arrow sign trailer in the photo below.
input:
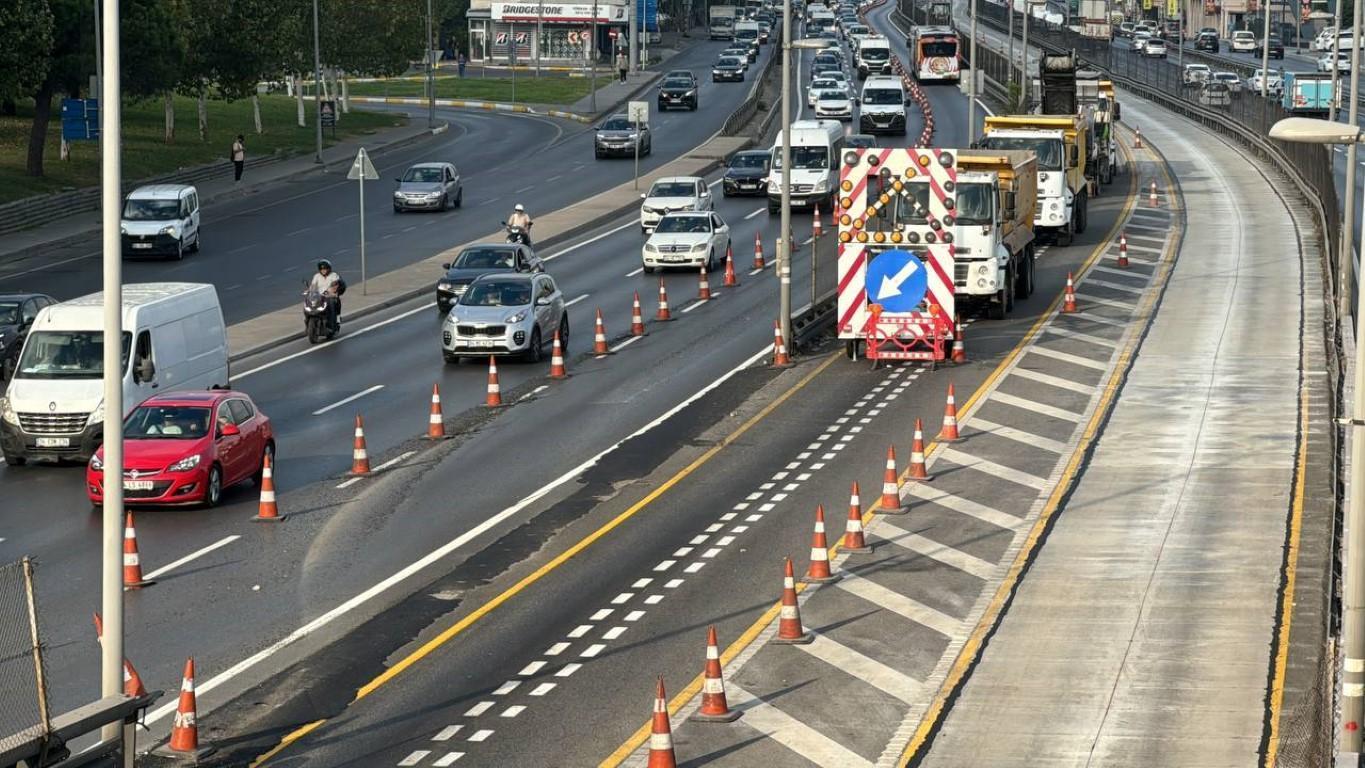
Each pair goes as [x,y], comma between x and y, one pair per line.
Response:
[896,280]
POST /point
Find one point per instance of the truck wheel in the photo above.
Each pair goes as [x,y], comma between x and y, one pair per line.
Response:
[1082,214]
[1023,287]
[995,309]
[1065,236]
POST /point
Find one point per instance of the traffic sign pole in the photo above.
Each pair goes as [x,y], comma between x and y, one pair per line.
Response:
[361,170]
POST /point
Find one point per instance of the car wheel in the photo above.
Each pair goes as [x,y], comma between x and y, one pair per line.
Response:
[445,203]
[179,250]
[459,197]
[451,359]
[198,237]
[534,351]
[260,470]
[648,269]
[213,487]
[564,332]
[396,209]
[711,264]
[16,461]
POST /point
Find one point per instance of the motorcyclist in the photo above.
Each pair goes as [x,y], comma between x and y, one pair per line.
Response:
[328,283]
[521,220]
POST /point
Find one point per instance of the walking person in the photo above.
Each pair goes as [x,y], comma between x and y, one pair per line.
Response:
[462,60]
[622,64]
[238,158]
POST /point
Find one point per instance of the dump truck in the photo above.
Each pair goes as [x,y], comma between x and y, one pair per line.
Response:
[1064,89]
[997,192]
[1061,145]
[722,22]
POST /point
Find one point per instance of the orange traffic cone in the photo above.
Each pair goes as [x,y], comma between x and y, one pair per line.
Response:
[949,432]
[663,315]
[714,707]
[703,287]
[360,458]
[132,683]
[637,320]
[890,503]
[853,530]
[599,336]
[730,279]
[184,741]
[819,571]
[1137,138]
[959,344]
[789,629]
[917,468]
[1151,196]
[758,252]
[1123,250]
[815,226]
[557,370]
[268,511]
[780,357]
[436,422]
[661,733]
[1069,298]
[494,397]
[132,564]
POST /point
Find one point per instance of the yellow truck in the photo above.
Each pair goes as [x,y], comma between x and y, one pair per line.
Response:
[997,194]
[1060,144]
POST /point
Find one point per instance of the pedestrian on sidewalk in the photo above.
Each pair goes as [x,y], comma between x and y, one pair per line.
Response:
[238,158]
[622,64]
[463,61]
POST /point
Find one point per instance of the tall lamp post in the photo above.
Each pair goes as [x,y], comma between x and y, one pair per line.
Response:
[971,85]
[1310,131]
[431,74]
[1023,67]
[317,87]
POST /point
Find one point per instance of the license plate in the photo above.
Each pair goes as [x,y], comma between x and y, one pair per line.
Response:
[54,442]
[142,245]
[137,485]
[481,343]
[673,259]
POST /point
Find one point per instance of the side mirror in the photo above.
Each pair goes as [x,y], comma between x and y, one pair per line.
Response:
[643,196]
[1072,155]
[543,301]
[706,193]
[445,265]
[228,429]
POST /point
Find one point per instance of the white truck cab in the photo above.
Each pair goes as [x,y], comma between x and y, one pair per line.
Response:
[815,148]
[1055,199]
[882,107]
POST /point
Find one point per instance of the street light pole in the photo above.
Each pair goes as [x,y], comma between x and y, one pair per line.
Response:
[784,270]
[1336,71]
[592,59]
[317,86]
[1346,257]
[1010,34]
[1023,66]
[971,86]
[431,74]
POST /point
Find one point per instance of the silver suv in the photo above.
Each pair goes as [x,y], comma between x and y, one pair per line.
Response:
[505,314]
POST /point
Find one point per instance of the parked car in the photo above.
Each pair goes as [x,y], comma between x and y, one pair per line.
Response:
[186,448]
[728,68]
[1207,41]
[429,187]
[506,314]
[17,313]
[670,194]
[678,92]
[1195,74]
[478,260]
[747,173]
[1244,42]
[619,136]
[688,239]
[1215,94]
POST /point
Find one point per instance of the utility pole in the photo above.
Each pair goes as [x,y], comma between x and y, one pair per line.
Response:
[1023,67]
[1010,5]
[784,266]
[431,73]
[633,45]
[1336,71]
[1346,257]
[540,32]
[971,86]
[592,58]
[317,86]
[1353,619]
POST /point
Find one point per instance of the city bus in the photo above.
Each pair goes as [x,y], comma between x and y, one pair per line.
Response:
[935,53]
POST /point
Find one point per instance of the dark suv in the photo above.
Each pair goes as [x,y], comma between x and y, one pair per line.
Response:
[474,262]
[1207,41]
[678,90]
[1275,46]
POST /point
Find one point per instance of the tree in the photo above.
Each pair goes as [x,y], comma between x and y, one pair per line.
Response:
[26,28]
[155,30]
[379,38]
[71,58]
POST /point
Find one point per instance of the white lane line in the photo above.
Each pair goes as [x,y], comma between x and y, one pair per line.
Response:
[297,232]
[414,758]
[448,759]
[481,735]
[589,241]
[531,669]
[1017,435]
[865,668]
[523,189]
[1122,272]
[533,392]
[542,689]
[400,458]
[446,733]
[267,366]
[513,710]
[575,301]
[478,709]
[409,229]
[635,272]
[755,213]
[613,633]
[232,287]
[895,602]
[1034,406]
[1091,317]
[953,558]
[992,468]
[625,343]
[964,505]
[695,304]
[1052,381]
[569,669]
[241,248]
[436,555]
[1067,357]
[792,733]
[223,542]
[346,400]
[1148,227]
[1077,335]
[1085,298]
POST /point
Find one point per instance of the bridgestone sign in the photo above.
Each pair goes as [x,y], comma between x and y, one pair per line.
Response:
[606,13]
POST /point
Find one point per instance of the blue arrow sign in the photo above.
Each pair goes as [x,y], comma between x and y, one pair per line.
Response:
[896,280]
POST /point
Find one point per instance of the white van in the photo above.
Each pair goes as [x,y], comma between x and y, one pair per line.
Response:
[161,220]
[874,56]
[882,107]
[55,404]
[815,148]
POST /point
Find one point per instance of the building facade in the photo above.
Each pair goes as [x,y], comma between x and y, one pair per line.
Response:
[560,33]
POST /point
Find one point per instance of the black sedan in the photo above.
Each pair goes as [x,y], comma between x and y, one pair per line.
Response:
[618,136]
[481,259]
[728,68]
[17,313]
[747,173]
[1276,47]
[1206,42]
[678,92]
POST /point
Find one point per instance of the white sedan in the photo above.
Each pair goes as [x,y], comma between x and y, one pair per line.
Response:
[1243,42]
[673,193]
[1274,83]
[1343,61]
[834,104]
[820,86]
[687,240]
[1154,48]
[1230,79]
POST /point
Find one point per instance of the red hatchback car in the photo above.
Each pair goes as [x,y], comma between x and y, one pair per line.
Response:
[186,447]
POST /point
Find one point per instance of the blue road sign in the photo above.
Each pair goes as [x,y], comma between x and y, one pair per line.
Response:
[896,280]
[647,12]
[80,119]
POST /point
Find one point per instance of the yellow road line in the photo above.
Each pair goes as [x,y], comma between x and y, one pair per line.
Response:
[483,610]
[675,705]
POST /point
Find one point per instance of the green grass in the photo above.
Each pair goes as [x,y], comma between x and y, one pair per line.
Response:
[145,153]
[554,89]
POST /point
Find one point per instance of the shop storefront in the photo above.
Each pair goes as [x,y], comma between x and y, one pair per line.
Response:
[560,33]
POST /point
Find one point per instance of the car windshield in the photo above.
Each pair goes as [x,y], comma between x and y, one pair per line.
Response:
[749,160]
[1226,76]
[816,158]
[423,175]
[678,82]
[151,210]
[857,30]
[166,422]
[858,141]
[882,96]
[1197,69]
[974,204]
[833,95]
[692,224]
[486,258]
[729,61]
[820,85]
[66,355]
[673,189]
[1049,151]
[497,293]
[874,54]
[9,313]
[1216,88]
[616,124]
[1243,35]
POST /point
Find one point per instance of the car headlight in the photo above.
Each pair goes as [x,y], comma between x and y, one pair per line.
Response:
[122,230]
[650,247]
[699,247]
[185,464]
[95,463]
[819,186]
[773,186]
[1054,206]
[7,412]
[692,92]
[444,286]
[171,230]
[985,269]
[516,317]
[96,416]
[1042,176]
[717,72]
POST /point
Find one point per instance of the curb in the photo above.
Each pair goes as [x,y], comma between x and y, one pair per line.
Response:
[486,106]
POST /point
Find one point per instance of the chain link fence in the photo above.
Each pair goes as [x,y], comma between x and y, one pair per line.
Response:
[23,679]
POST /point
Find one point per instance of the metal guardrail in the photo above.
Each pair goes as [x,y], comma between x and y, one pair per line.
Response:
[817,318]
[738,120]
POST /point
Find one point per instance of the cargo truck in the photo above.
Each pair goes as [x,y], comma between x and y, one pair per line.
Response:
[1307,94]
[1095,19]
[1060,143]
[1066,90]
[722,24]
[997,192]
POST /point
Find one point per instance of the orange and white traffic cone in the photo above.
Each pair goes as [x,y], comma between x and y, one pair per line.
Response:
[184,743]
[853,530]
[599,336]
[949,432]
[132,563]
[1123,250]
[730,279]
[360,458]
[557,370]
[663,315]
[789,629]
[1151,196]
[819,571]
[661,733]
[959,343]
[714,707]
[436,421]
[132,682]
[637,320]
[918,471]
[703,286]
[1137,138]
[758,252]
[780,357]
[1069,297]
[268,511]
[890,503]
[494,397]
[815,225]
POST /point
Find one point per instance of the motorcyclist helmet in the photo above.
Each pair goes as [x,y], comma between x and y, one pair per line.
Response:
[324,264]
[520,208]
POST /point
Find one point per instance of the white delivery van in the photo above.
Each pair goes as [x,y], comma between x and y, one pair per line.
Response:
[815,146]
[874,56]
[161,220]
[883,106]
[173,339]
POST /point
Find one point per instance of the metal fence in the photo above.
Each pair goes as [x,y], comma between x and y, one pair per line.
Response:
[23,688]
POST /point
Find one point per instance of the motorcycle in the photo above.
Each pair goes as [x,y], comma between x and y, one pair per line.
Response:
[517,235]
[318,318]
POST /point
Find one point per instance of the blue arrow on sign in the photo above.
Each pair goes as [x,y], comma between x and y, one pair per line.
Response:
[896,280]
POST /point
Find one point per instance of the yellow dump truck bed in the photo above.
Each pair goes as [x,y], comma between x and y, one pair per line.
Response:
[1017,170]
